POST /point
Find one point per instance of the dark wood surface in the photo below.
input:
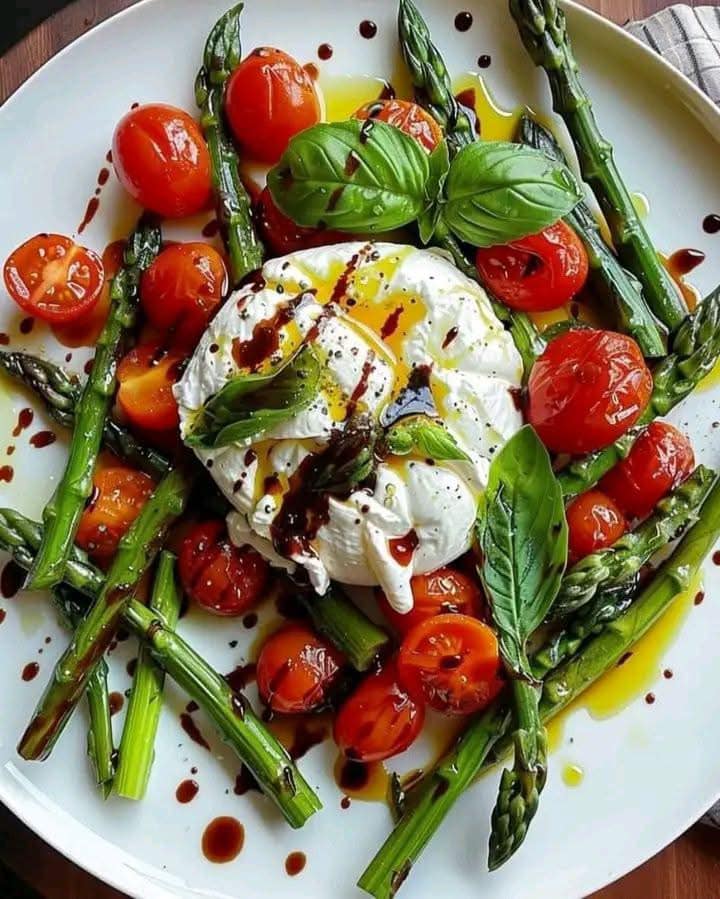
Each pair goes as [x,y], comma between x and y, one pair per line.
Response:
[689,869]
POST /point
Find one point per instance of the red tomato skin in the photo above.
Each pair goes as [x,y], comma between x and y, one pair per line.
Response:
[379,719]
[220,577]
[281,235]
[537,273]
[269,99]
[661,458]
[295,670]
[587,389]
[594,522]
[181,290]
[162,161]
[445,591]
[409,117]
[146,376]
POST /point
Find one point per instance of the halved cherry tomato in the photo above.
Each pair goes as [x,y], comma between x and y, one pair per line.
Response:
[587,389]
[594,523]
[451,662]
[53,278]
[220,577]
[445,591]
[537,273]
[408,117]
[181,290]
[296,669]
[379,720]
[269,99]
[146,376]
[282,236]
[162,161]
[119,493]
[661,458]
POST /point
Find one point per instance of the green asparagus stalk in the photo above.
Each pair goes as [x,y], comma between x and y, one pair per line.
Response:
[137,745]
[543,29]
[61,392]
[266,758]
[100,746]
[62,513]
[136,551]
[486,740]
[607,279]
[222,55]
[430,77]
[695,352]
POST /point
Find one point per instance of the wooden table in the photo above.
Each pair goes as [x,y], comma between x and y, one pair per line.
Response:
[689,869]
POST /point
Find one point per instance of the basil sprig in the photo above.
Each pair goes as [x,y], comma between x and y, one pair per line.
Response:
[370,177]
[251,404]
[425,437]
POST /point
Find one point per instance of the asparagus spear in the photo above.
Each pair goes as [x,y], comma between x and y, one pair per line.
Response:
[695,352]
[137,745]
[266,758]
[100,747]
[481,744]
[222,54]
[608,280]
[62,513]
[543,30]
[61,394]
[90,641]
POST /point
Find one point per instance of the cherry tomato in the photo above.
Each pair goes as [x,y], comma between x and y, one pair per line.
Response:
[220,577]
[146,376]
[408,117]
[119,493]
[661,458]
[162,161]
[537,273]
[587,389]
[269,99]
[445,591]
[282,236]
[296,669]
[53,278]
[181,290]
[452,663]
[594,523]
[379,720]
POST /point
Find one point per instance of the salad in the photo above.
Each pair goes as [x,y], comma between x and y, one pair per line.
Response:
[357,388]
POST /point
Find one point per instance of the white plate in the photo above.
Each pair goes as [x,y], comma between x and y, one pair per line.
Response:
[650,771]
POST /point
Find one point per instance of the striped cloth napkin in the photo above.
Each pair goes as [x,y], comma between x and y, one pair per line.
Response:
[689,38]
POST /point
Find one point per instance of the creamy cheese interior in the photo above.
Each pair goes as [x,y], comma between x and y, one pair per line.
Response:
[381,316]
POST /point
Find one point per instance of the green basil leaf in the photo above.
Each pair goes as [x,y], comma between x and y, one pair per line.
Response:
[355,176]
[427,438]
[497,192]
[349,458]
[524,538]
[439,168]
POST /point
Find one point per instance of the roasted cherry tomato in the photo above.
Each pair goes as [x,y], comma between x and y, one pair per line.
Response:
[587,389]
[282,236]
[536,273]
[408,117]
[162,161]
[220,577]
[452,663]
[661,458]
[146,376]
[181,290]
[379,720]
[119,493]
[269,99]
[594,522]
[54,279]
[296,669]
[445,591]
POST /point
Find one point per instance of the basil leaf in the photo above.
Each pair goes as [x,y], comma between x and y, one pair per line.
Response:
[426,437]
[497,192]
[439,168]
[251,404]
[524,538]
[349,458]
[354,176]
